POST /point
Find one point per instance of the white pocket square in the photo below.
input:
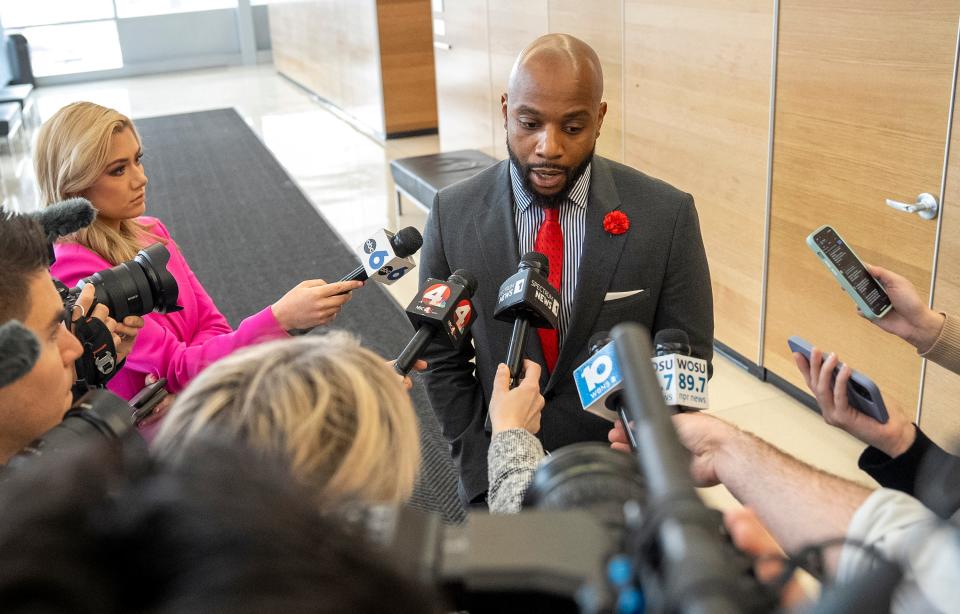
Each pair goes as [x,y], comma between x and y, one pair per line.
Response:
[612,296]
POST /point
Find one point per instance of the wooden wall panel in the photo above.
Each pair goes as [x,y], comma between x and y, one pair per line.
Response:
[359,60]
[406,62]
[697,91]
[513,26]
[371,58]
[861,117]
[464,100]
[600,25]
[309,56]
[939,416]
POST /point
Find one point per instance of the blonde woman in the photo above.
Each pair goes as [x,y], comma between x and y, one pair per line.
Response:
[95,152]
[334,409]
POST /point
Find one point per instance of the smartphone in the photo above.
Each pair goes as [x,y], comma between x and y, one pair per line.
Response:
[862,393]
[143,402]
[854,278]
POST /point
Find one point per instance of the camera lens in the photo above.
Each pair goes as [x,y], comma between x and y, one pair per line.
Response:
[588,476]
[138,286]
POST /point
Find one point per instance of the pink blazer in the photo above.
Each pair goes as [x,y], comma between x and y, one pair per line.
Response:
[178,345]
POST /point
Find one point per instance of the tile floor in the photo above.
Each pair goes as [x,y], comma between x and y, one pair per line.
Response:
[346,176]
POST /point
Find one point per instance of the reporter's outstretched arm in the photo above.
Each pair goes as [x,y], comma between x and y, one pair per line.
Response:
[514,451]
[799,504]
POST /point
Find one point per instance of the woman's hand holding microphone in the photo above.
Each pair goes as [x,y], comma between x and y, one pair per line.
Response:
[313,303]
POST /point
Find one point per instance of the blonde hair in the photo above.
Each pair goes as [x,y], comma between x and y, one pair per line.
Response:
[73,149]
[332,409]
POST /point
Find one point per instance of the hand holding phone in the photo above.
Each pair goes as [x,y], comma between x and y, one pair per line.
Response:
[863,394]
[143,403]
[840,259]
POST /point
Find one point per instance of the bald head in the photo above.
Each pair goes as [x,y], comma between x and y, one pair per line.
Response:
[552,111]
[560,56]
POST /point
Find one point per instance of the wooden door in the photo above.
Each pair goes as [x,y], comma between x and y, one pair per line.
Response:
[462,58]
[940,414]
[697,114]
[861,116]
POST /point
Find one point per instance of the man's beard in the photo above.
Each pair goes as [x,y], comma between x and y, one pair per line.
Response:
[571,177]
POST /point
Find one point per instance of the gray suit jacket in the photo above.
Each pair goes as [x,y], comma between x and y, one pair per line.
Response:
[471,226]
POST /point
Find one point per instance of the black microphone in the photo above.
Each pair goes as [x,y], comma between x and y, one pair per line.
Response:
[528,300]
[671,341]
[65,217]
[442,307]
[385,255]
[688,376]
[19,351]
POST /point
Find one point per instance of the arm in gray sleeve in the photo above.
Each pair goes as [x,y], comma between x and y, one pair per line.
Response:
[512,460]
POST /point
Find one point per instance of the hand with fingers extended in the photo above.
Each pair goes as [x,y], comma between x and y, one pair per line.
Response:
[910,319]
[519,407]
[893,437]
[313,303]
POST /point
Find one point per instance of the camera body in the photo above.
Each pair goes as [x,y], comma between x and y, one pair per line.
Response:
[136,287]
[99,414]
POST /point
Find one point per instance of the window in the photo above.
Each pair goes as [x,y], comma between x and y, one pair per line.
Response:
[20,14]
[73,47]
[140,8]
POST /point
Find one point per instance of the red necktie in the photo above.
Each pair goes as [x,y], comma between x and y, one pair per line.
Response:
[549,242]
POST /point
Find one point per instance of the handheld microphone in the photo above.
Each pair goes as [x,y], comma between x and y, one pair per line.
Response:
[599,382]
[683,378]
[526,299]
[442,312]
[386,256]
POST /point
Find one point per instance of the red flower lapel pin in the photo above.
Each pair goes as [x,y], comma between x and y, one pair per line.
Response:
[616,222]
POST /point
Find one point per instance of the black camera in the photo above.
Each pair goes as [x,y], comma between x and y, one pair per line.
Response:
[99,414]
[135,287]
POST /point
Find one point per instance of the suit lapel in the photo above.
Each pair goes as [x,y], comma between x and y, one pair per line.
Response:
[601,252]
[497,238]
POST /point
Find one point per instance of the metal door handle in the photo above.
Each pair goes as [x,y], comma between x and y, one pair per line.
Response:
[926,206]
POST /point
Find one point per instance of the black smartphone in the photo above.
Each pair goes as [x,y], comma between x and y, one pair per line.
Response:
[862,393]
[149,397]
[854,278]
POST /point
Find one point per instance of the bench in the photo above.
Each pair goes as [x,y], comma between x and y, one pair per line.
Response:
[11,121]
[21,94]
[420,178]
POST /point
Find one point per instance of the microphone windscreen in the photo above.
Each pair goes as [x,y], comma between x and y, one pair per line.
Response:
[536,260]
[407,242]
[19,351]
[597,341]
[65,217]
[670,336]
[466,279]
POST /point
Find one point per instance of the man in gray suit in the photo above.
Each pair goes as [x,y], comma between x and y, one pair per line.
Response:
[621,246]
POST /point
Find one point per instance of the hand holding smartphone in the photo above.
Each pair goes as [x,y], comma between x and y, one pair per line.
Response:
[843,263]
[862,393]
[147,399]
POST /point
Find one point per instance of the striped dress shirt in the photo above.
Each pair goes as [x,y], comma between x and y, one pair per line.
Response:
[573,215]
